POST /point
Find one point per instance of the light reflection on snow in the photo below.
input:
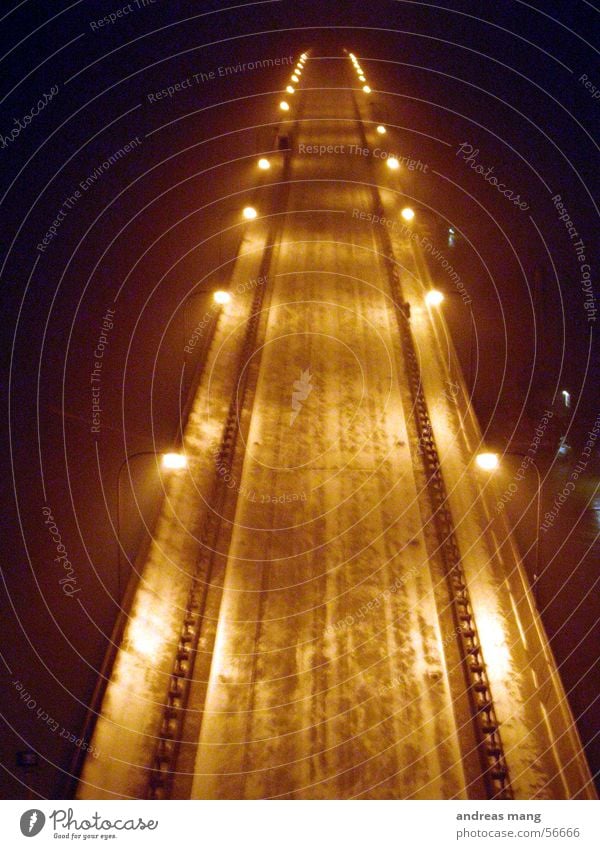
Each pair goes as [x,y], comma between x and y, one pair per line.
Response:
[145,637]
[494,645]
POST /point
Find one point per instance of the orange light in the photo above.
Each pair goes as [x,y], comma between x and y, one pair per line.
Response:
[392,163]
[381,130]
[249,213]
[284,106]
[487,461]
[434,298]
[367,89]
[407,213]
[174,462]
[221,297]
[290,89]
[295,78]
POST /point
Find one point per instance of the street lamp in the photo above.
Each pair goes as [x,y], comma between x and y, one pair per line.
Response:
[170,462]
[434,298]
[392,163]
[407,213]
[173,461]
[487,461]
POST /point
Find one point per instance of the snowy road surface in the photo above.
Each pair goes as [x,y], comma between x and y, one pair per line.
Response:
[330,676]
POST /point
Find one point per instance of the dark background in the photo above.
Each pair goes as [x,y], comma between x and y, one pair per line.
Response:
[502,77]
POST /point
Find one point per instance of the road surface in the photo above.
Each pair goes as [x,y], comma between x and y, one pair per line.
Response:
[326,660]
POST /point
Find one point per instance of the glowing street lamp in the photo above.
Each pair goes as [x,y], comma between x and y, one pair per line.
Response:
[381,130]
[362,78]
[392,163]
[173,461]
[290,89]
[487,461]
[367,89]
[295,78]
[249,213]
[264,164]
[434,298]
[284,106]
[221,297]
[407,213]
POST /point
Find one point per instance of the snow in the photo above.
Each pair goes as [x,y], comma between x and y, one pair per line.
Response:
[329,675]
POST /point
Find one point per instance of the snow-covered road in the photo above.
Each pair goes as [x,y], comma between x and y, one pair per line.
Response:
[330,672]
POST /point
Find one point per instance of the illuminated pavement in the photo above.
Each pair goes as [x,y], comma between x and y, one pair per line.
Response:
[332,674]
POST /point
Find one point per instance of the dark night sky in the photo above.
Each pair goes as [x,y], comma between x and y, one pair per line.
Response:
[502,77]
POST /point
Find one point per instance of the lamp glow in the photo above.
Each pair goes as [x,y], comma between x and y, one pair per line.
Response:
[407,213]
[290,89]
[264,164]
[392,163]
[487,461]
[381,130]
[284,106]
[249,213]
[295,78]
[174,462]
[221,297]
[367,89]
[434,298]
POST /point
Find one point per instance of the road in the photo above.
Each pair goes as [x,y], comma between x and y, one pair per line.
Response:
[328,661]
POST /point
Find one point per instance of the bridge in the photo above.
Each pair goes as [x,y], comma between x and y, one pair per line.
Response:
[332,606]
